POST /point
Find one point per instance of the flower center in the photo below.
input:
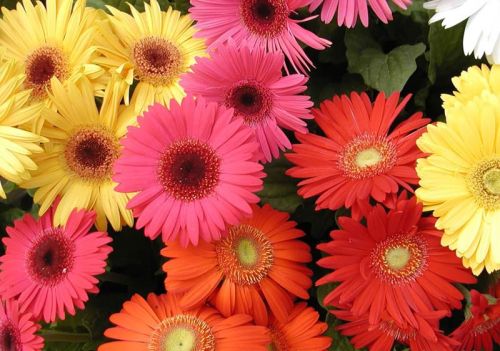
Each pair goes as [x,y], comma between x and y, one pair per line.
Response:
[182,333]
[189,170]
[266,18]
[156,60]
[51,257]
[367,156]
[485,327]
[484,183]
[250,101]
[402,335]
[278,340]
[41,65]
[91,152]
[245,255]
[400,258]
[10,337]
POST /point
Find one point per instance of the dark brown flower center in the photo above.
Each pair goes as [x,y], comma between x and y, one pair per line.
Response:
[189,170]
[41,65]
[51,257]
[250,100]
[267,18]
[10,337]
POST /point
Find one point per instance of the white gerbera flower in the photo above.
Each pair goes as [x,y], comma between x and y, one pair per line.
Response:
[482,32]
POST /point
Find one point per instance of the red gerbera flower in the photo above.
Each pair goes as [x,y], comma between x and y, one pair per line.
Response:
[52,269]
[258,265]
[260,23]
[251,82]
[194,170]
[17,329]
[362,156]
[481,330]
[395,265]
[301,332]
[382,335]
[160,324]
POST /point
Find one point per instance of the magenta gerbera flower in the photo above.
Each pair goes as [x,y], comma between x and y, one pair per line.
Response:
[17,329]
[263,23]
[194,168]
[51,270]
[348,11]
[251,82]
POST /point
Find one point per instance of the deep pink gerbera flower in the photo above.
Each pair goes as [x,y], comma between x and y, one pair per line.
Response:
[251,82]
[51,270]
[348,11]
[263,23]
[394,264]
[17,329]
[362,156]
[194,168]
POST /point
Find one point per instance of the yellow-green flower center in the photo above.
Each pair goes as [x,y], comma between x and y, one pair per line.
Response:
[247,252]
[368,157]
[491,180]
[180,339]
[397,258]
[484,183]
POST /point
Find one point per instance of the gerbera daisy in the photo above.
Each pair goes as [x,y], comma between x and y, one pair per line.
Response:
[395,265]
[159,323]
[481,329]
[51,269]
[259,23]
[301,332]
[29,35]
[382,335]
[16,146]
[362,154]
[78,162]
[251,82]
[460,181]
[475,82]
[482,33]
[153,47]
[259,264]
[348,11]
[17,329]
[194,169]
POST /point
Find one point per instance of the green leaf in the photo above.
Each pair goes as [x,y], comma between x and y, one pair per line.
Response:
[122,5]
[384,72]
[280,191]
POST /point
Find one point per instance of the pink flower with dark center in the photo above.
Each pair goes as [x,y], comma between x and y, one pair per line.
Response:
[261,23]
[17,329]
[251,82]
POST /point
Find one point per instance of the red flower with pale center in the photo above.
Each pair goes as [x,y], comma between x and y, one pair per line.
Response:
[382,335]
[301,332]
[17,329]
[194,170]
[259,23]
[160,324]
[362,155]
[251,82]
[258,265]
[481,330]
[50,269]
[395,265]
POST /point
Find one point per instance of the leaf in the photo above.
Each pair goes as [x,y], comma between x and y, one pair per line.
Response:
[384,72]
[280,191]
[122,5]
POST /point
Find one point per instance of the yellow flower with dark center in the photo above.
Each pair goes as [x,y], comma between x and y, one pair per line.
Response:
[153,47]
[78,162]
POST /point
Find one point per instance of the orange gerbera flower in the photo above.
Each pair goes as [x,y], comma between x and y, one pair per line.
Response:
[258,264]
[159,323]
[302,332]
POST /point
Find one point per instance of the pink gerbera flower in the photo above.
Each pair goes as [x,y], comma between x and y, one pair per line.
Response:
[194,169]
[348,11]
[263,23]
[17,329]
[251,82]
[52,269]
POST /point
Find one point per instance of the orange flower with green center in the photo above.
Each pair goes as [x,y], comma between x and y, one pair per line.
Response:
[258,266]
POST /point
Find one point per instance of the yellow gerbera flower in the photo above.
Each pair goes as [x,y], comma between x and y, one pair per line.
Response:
[16,145]
[460,180]
[476,81]
[154,47]
[56,40]
[78,161]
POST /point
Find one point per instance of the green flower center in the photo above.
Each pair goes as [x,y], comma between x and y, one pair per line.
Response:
[491,180]
[180,339]
[368,157]
[397,258]
[247,252]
